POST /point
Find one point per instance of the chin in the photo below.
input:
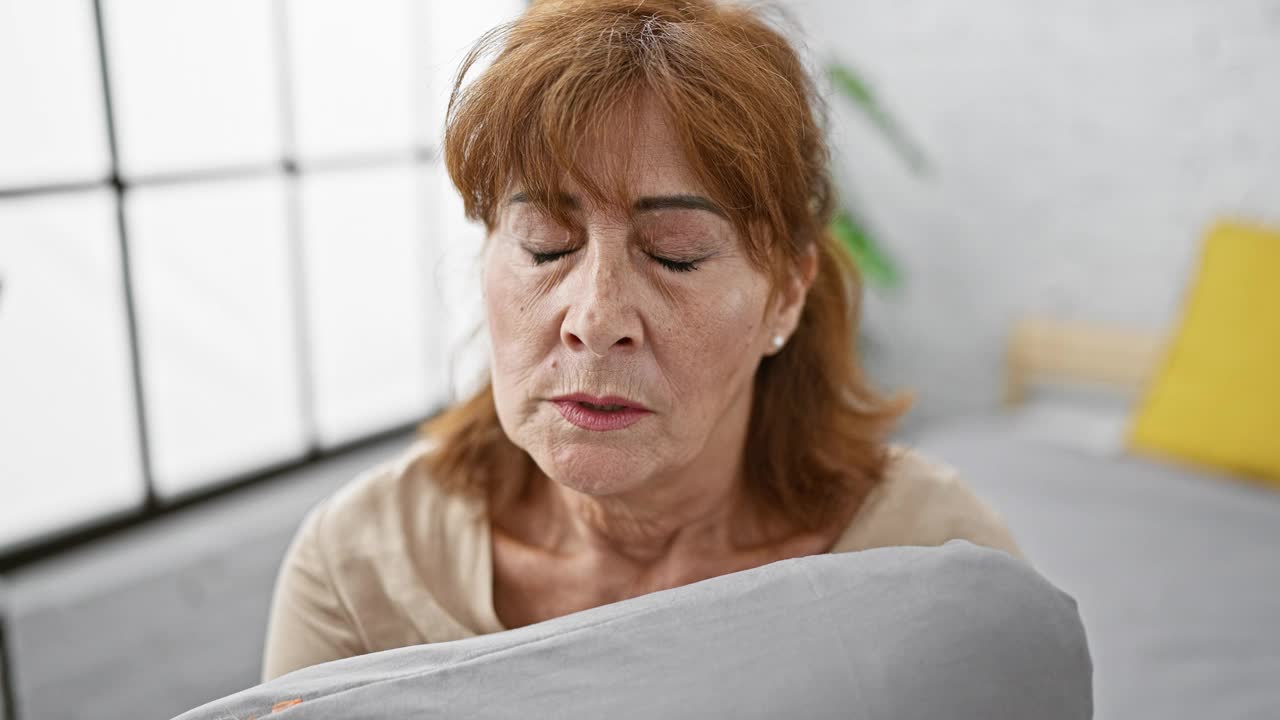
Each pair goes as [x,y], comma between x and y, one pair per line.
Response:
[594,470]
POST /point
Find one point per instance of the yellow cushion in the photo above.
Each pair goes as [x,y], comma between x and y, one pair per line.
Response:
[1216,400]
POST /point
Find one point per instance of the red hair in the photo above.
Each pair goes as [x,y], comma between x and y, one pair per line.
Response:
[746,114]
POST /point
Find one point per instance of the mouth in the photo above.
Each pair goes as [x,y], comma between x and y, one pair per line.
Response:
[600,414]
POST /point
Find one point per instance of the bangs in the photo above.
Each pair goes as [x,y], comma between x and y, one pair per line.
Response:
[581,137]
[570,76]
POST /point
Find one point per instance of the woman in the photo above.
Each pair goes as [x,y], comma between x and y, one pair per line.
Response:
[674,391]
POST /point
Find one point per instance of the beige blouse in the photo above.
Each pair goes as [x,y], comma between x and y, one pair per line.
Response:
[390,560]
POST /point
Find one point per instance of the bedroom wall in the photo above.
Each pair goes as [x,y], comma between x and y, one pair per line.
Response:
[1078,150]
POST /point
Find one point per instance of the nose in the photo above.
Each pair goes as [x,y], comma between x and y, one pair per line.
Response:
[602,316]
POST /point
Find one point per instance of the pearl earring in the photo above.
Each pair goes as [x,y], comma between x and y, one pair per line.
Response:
[778,342]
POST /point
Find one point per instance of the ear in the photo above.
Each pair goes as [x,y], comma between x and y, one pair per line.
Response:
[791,302]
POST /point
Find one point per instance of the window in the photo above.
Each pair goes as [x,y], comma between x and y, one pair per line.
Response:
[68,427]
[352,71]
[52,129]
[226,243]
[194,84]
[213,283]
[366,264]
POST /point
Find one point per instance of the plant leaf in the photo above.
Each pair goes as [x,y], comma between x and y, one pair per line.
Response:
[874,264]
[858,90]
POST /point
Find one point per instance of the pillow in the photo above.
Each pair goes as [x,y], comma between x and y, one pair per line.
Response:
[1216,399]
[956,631]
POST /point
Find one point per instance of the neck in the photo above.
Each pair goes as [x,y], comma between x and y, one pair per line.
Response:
[670,516]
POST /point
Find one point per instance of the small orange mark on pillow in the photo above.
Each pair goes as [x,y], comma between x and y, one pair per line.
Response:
[285,704]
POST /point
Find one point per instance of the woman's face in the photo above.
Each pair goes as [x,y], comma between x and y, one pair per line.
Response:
[657,304]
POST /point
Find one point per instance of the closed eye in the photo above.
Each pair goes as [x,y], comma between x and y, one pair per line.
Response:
[546,257]
[540,258]
[676,265]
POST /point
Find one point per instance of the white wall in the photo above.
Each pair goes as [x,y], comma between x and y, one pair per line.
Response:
[1079,148]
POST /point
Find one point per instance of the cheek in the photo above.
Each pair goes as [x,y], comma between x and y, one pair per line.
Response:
[717,340]
[499,293]
[518,330]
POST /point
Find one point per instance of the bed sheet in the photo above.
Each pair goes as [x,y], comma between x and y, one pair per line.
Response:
[1177,571]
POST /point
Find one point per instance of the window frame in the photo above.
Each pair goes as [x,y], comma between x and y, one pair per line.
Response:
[290,167]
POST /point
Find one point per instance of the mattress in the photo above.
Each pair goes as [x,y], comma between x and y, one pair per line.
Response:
[1176,571]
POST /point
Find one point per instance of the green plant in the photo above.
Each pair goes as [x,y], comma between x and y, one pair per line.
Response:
[875,264]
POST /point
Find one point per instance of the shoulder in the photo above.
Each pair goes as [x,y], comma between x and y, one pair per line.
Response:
[922,501]
[372,567]
[390,504]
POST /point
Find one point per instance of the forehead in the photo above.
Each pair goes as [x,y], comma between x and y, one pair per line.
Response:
[637,147]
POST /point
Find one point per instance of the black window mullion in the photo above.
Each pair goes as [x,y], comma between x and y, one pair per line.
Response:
[61,188]
[122,234]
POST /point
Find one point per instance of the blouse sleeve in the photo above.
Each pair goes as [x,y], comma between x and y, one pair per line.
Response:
[972,519]
[309,622]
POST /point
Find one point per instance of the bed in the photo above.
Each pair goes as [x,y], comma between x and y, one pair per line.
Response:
[1176,570]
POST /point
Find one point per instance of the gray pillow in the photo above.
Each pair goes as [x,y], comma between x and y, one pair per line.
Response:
[956,631]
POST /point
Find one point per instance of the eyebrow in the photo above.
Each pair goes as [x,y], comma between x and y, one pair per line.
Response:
[644,204]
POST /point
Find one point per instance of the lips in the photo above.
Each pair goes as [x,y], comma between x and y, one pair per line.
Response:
[600,414]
